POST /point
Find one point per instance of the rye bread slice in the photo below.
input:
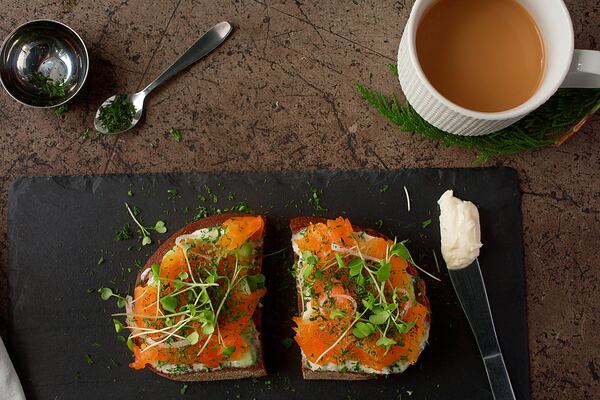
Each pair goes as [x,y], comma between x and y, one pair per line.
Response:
[254,371]
[300,223]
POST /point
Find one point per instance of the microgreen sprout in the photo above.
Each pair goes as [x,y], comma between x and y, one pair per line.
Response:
[159,226]
[399,249]
[314,199]
[107,293]
[118,325]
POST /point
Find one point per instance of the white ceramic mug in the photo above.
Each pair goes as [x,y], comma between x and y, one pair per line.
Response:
[565,67]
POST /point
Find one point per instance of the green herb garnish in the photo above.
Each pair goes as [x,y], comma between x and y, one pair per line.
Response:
[426,223]
[227,351]
[124,233]
[314,199]
[287,342]
[117,115]
[86,134]
[107,293]
[175,134]
[201,212]
[101,260]
[241,207]
[172,194]
[53,88]
[118,325]
[183,389]
[88,359]
[549,125]
[62,110]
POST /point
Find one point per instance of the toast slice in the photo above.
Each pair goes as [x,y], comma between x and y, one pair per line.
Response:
[332,347]
[226,347]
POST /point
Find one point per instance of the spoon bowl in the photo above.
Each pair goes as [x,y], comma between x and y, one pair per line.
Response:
[137,99]
[202,47]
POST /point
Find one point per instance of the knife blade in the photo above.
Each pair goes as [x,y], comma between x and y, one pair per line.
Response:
[470,289]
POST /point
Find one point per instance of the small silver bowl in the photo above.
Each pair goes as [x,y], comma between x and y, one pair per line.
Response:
[43,63]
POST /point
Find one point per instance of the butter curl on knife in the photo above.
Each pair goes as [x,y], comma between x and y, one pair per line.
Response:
[460,232]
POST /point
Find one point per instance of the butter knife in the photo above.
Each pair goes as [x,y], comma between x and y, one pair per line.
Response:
[470,289]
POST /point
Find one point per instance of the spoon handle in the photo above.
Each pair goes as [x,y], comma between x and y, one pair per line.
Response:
[203,46]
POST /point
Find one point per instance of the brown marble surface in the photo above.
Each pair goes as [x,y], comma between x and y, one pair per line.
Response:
[279,95]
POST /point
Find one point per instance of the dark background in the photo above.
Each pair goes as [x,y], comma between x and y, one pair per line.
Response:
[60,227]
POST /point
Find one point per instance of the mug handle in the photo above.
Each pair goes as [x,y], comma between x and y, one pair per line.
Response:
[584,71]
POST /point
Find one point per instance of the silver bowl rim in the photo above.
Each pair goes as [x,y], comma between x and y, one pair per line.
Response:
[85,73]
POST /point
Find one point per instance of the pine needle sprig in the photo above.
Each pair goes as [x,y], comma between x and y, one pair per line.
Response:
[544,127]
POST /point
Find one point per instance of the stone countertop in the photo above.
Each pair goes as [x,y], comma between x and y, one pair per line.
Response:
[279,95]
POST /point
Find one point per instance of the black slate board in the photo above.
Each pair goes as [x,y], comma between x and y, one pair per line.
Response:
[59,227]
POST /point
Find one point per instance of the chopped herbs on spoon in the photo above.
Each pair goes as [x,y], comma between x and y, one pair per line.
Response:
[117,115]
[53,88]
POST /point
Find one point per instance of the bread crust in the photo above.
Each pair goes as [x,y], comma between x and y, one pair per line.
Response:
[296,225]
[254,371]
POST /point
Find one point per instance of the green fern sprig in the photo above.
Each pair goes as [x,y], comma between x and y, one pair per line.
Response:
[542,128]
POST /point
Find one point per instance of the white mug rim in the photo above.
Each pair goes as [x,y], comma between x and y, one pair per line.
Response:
[519,111]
